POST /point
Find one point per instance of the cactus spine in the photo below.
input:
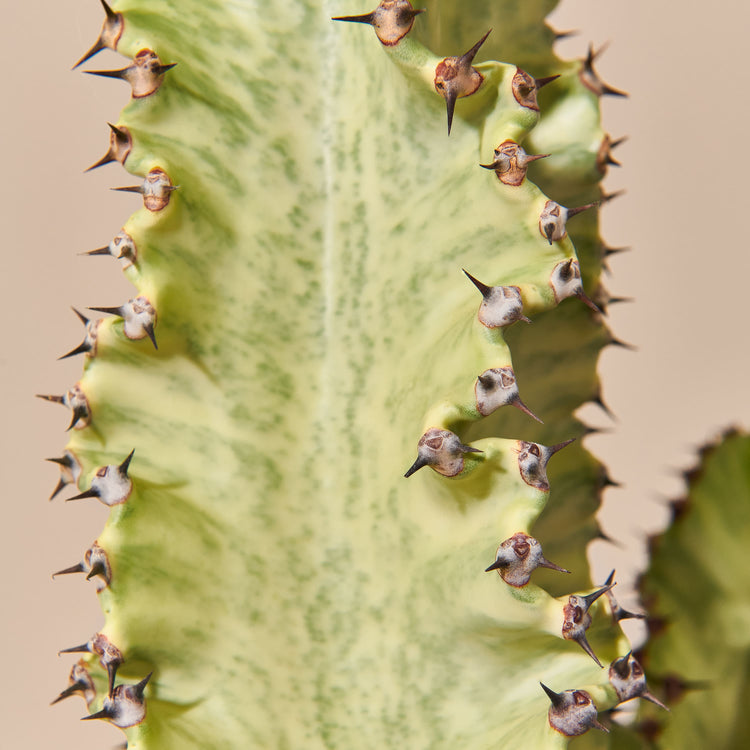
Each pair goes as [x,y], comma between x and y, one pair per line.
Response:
[301,328]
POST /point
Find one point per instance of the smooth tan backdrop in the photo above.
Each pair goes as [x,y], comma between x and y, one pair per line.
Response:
[686,215]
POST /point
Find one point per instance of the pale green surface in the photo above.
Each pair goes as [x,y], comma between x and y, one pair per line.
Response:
[289,587]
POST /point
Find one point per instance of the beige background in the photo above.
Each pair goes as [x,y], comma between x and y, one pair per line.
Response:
[686,216]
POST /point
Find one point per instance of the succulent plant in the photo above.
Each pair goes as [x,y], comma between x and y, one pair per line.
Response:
[344,235]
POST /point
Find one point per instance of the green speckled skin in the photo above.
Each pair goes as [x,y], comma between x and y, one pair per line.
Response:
[286,584]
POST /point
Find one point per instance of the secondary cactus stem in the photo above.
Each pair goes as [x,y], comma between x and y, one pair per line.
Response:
[441,450]
[518,557]
[76,401]
[120,144]
[125,706]
[533,459]
[576,619]
[392,20]
[511,163]
[145,75]
[88,345]
[572,712]
[501,305]
[139,318]
[109,36]
[455,78]
[525,88]
[155,189]
[498,387]
[111,484]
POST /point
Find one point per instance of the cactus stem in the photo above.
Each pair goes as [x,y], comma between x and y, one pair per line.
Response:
[108,37]
[120,143]
[572,712]
[455,78]
[145,75]
[392,20]
[443,451]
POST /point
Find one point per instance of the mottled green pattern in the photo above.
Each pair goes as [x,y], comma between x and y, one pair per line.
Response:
[698,584]
[288,586]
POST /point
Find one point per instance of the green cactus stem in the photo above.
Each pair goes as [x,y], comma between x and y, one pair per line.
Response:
[273,579]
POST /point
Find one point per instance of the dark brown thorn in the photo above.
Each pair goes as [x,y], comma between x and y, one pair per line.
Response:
[557,699]
[483,288]
[80,315]
[549,231]
[450,102]
[82,348]
[365,18]
[111,15]
[139,687]
[606,197]
[618,141]
[564,34]
[469,449]
[149,329]
[525,409]
[496,565]
[79,412]
[416,466]
[588,302]
[580,209]
[162,69]
[559,446]
[129,189]
[53,399]
[106,713]
[78,568]
[61,484]
[541,82]
[594,595]
[624,344]
[97,569]
[109,310]
[606,480]
[98,251]
[98,46]
[82,649]
[607,251]
[108,73]
[545,563]
[70,690]
[63,461]
[88,493]
[597,399]
[584,644]
[468,57]
[106,159]
[123,467]
[111,674]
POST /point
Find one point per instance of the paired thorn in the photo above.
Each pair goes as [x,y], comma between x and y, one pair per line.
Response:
[80,682]
[121,246]
[554,219]
[498,387]
[572,712]
[139,318]
[110,657]
[533,459]
[576,619]
[76,401]
[443,451]
[604,156]
[95,563]
[392,20]
[111,484]
[566,282]
[501,305]
[125,706]
[517,558]
[109,36]
[591,79]
[70,471]
[629,680]
[120,144]
[455,78]
[618,613]
[511,163]
[144,75]
[525,88]
[156,189]
[88,345]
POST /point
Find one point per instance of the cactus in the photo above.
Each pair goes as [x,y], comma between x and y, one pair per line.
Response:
[329,498]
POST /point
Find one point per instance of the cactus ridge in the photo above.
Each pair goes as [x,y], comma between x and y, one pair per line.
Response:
[265,558]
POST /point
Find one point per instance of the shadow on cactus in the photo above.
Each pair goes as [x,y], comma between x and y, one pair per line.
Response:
[340,245]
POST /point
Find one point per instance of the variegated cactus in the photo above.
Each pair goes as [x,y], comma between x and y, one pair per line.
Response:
[328,288]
